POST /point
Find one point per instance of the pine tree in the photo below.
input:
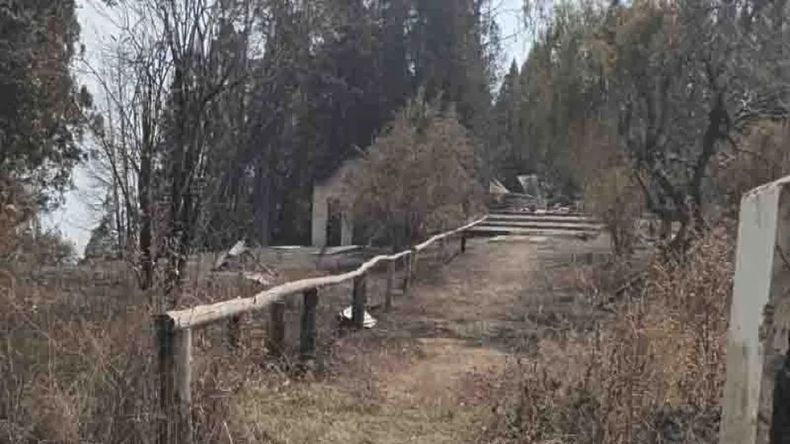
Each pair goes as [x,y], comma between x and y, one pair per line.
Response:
[508,148]
[39,114]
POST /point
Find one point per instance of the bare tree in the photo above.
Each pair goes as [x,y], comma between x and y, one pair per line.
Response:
[160,79]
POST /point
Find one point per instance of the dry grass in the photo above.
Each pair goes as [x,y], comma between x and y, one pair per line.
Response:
[653,373]
[374,391]
[77,360]
[320,412]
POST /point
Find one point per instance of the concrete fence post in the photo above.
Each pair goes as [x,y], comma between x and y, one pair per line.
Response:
[756,404]
[175,380]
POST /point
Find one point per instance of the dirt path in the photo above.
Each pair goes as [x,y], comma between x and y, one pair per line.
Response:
[427,373]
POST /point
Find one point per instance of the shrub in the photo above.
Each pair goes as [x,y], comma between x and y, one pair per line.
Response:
[651,373]
[614,197]
[418,177]
[762,156]
[610,191]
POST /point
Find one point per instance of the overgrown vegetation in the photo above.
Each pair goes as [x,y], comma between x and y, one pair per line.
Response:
[221,115]
[676,108]
[218,117]
[653,372]
[419,177]
[671,85]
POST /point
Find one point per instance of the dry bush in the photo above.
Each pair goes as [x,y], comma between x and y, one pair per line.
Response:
[652,373]
[419,176]
[16,207]
[617,200]
[761,156]
[81,367]
[610,191]
[21,237]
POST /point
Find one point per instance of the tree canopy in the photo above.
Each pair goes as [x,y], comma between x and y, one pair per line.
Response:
[39,100]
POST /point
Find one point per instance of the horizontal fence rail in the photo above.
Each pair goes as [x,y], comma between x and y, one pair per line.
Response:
[206,314]
[174,328]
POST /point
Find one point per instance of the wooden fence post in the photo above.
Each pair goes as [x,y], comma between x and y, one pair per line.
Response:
[756,404]
[175,380]
[463,242]
[277,328]
[234,331]
[359,301]
[390,279]
[407,274]
[308,330]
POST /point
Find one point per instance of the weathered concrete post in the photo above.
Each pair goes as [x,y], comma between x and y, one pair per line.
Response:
[756,406]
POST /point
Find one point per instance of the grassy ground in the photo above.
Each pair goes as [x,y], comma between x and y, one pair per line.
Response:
[432,368]
[78,361]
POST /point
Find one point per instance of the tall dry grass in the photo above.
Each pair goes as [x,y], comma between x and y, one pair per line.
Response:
[652,373]
[77,358]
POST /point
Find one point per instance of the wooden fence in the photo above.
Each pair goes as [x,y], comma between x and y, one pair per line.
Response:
[174,328]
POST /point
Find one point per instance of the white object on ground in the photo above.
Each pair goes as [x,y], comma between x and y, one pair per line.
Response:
[369,321]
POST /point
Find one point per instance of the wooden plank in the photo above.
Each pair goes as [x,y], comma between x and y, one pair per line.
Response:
[331,251]
[541,218]
[544,224]
[308,325]
[359,302]
[530,231]
[206,314]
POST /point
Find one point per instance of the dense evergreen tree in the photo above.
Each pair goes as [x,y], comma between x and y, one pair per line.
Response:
[332,74]
[39,100]
[508,153]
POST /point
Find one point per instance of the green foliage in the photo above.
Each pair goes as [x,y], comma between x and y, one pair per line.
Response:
[508,153]
[674,84]
[39,116]
[332,76]
[557,89]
